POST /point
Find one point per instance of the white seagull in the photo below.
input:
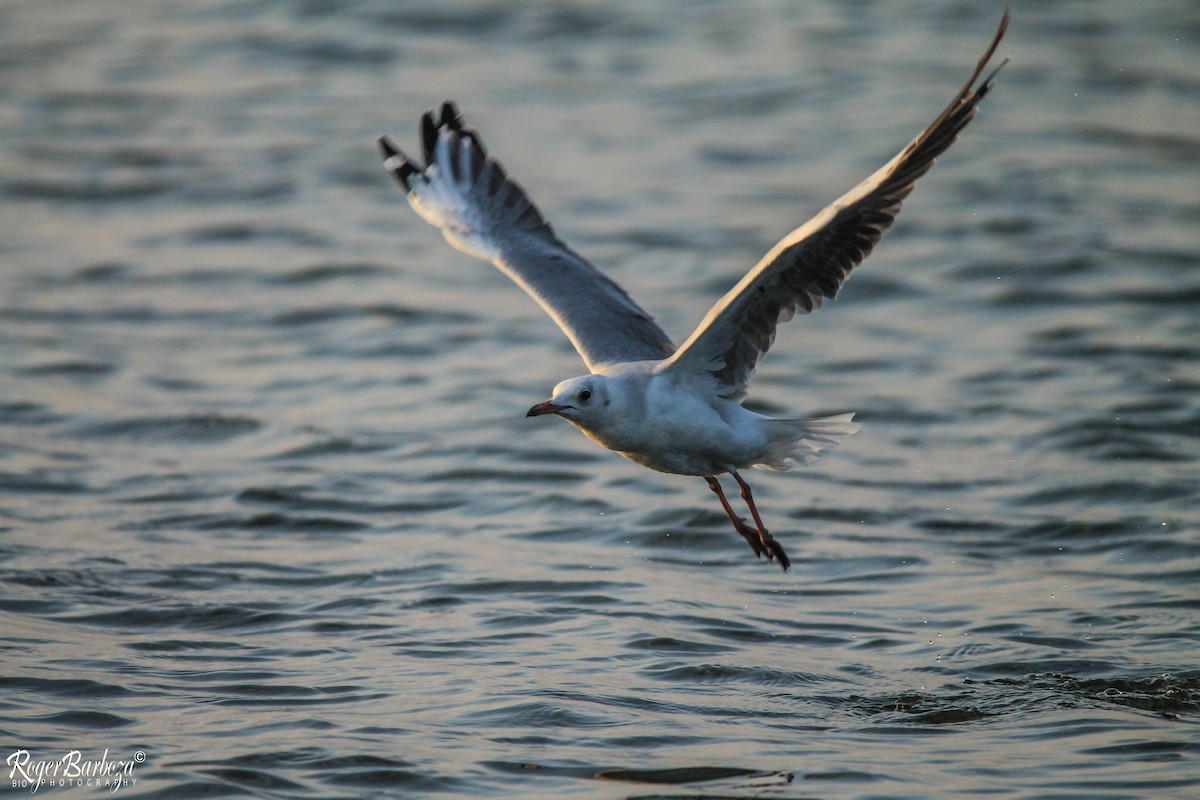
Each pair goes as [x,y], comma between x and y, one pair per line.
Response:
[672,409]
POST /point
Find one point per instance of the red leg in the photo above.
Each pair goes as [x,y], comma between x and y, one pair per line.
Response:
[773,548]
[752,536]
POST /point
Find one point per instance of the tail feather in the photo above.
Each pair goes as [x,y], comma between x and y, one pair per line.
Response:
[800,441]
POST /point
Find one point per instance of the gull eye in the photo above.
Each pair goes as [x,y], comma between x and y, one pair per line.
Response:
[585,395]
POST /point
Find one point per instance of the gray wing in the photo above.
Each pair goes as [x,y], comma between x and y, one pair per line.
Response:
[484,213]
[813,261]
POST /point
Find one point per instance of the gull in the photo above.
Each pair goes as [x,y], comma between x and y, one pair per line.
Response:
[672,409]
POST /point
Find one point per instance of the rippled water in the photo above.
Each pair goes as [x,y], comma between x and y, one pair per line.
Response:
[271,514]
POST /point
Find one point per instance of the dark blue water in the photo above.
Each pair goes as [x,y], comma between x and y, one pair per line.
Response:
[271,514]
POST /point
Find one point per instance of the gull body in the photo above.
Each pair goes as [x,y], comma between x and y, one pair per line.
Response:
[672,409]
[664,421]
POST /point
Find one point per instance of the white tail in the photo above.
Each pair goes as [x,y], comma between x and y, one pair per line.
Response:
[800,441]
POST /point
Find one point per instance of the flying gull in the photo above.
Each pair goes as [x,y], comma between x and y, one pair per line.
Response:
[672,409]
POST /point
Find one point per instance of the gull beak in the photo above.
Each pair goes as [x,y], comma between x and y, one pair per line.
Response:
[545,408]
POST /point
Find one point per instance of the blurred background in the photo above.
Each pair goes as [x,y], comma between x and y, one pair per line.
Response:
[272,515]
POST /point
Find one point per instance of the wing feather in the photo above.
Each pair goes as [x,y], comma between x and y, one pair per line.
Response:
[483,212]
[812,262]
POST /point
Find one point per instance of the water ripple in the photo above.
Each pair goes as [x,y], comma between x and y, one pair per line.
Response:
[271,514]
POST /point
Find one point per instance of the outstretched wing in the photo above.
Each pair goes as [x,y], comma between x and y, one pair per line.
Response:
[813,261]
[484,213]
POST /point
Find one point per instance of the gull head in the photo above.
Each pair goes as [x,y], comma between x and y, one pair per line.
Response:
[583,401]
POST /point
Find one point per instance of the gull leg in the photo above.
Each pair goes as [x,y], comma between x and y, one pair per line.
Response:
[752,537]
[772,548]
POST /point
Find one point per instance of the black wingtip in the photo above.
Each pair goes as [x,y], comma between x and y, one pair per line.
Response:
[1003,29]
[429,135]
[396,162]
[387,149]
[986,85]
[987,55]
[452,118]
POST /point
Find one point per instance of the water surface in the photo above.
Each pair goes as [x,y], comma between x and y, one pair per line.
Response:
[271,513]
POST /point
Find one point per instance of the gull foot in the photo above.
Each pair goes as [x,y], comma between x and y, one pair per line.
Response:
[752,537]
[763,543]
[775,551]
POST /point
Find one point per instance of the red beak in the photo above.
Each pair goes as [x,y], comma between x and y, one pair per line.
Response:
[545,408]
